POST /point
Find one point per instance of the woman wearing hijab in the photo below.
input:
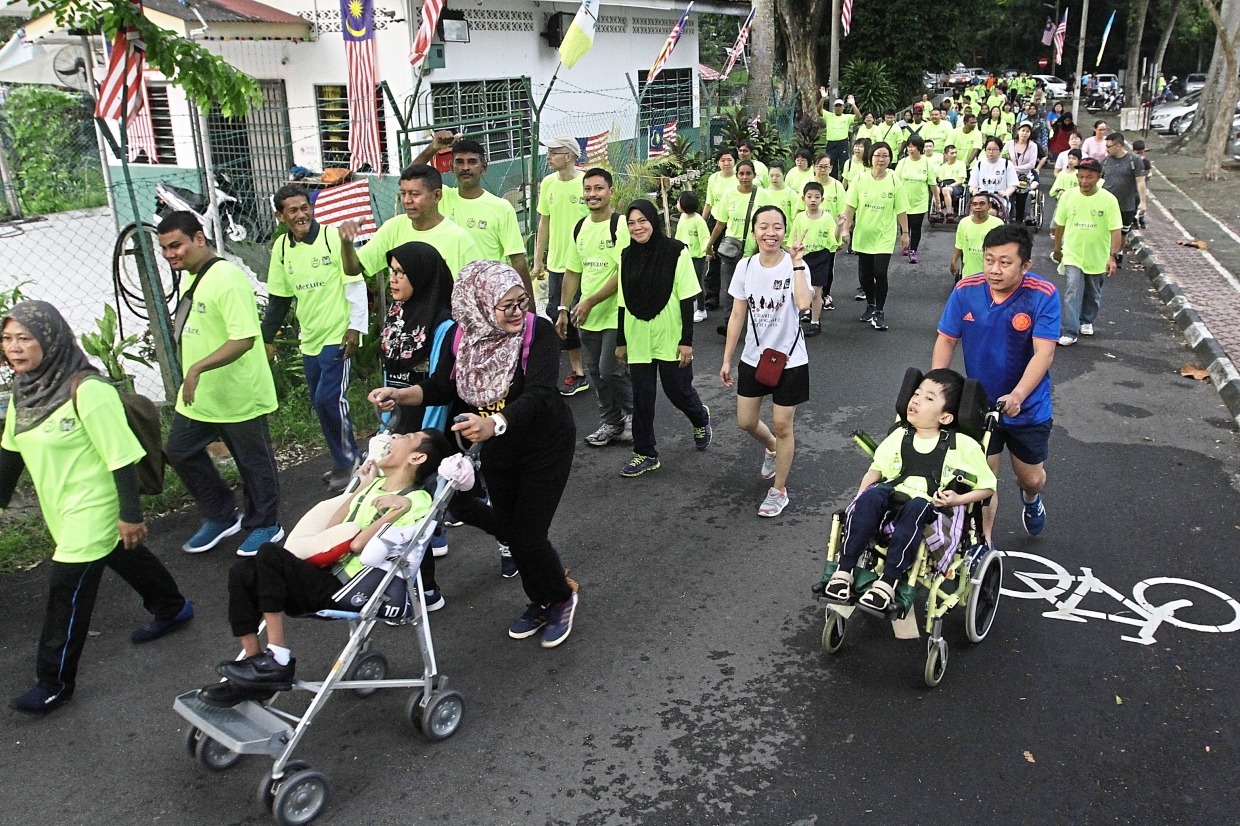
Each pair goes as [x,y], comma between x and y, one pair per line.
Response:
[66,425]
[654,332]
[503,377]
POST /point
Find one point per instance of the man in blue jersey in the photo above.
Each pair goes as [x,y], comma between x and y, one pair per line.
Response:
[1007,322]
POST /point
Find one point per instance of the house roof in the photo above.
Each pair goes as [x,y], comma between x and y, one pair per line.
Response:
[224,11]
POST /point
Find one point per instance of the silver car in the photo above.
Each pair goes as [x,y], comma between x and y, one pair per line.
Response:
[1166,117]
[1195,82]
[1055,87]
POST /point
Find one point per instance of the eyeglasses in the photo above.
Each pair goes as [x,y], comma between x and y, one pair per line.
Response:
[518,306]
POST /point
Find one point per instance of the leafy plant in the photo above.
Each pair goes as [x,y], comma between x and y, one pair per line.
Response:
[870,83]
[7,299]
[54,150]
[808,133]
[108,346]
[636,181]
[768,143]
[735,127]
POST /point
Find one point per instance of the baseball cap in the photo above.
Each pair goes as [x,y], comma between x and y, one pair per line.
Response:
[1089,165]
[838,102]
[563,142]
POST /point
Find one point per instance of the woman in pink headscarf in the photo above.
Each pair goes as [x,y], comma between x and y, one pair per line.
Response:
[502,375]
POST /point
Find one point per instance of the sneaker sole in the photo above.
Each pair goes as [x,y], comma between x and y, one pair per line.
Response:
[436,605]
[439,552]
[546,643]
[576,390]
[508,576]
[526,635]
[782,508]
[627,474]
[233,531]
[278,536]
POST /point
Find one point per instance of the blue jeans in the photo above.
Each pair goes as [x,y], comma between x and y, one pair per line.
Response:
[327,377]
[1082,298]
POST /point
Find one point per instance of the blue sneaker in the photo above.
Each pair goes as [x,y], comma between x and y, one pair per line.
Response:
[507,566]
[702,435]
[39,700]
[559,622]
[211,534]
[434,600]
[439,543]
[258,536]
[527,624]
[156,628]
[638,465]
[1034,515]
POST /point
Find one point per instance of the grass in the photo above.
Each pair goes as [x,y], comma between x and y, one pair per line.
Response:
[24,543]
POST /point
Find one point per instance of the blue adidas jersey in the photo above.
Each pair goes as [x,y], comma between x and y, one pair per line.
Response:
[997,339]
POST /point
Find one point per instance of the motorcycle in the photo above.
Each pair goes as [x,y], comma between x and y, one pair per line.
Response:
[1105,100]
[170,198]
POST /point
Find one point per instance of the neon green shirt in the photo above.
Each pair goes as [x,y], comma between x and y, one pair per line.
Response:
[993,129]
[917,177]
[965,143]
[71,456]
[852,170]
[692,232]
[225,310]
[363,512]
[877,203]
[891,135]
[953,171]
[786,200]
[735,207]
[659,338]
[716,187]
[967,455]
[864,131]
[1064,181]
[819,232]
[598,259]
[970,236]
[564,205]
[797,178]
[1088,221]
[313,273]
[836,126]
[454,244]
[761,174]
[940,133]
[490,221]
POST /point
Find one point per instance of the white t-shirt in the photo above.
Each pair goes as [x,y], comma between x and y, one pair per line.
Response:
[993,177]
[1061,162]
[772,307]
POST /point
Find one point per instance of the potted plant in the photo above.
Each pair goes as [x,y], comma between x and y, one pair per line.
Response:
[107,346]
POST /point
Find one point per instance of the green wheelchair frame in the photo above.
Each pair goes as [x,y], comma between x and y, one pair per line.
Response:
[976,571]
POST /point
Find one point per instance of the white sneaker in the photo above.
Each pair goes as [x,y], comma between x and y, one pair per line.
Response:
[768,465]
[626,431]
[699,315]
[774,503]
[1087,329]
[1067,341]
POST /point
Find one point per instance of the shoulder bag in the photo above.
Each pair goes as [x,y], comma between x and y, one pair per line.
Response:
[729,248]
[771,362]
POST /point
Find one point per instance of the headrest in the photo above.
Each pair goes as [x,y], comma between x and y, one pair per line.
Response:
[912,380]
[974,404]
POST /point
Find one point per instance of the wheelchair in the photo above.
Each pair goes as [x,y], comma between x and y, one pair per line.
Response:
[1035,203]
[968,573]
[960,205]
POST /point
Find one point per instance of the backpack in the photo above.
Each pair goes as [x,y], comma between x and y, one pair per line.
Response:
[143,418]
[615,222]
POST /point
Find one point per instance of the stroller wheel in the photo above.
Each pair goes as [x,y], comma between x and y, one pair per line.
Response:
[213,755]
[301,798]
[442,716]
[413,710]
[266,787]
[369,667]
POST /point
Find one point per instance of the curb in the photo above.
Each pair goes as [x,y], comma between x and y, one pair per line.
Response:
[1203,343]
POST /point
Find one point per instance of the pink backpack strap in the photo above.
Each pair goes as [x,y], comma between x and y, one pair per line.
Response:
[527,337]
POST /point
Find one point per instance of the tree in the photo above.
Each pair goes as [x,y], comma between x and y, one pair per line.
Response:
[761,56]
[1212,120]
[1165,39]
[1132,79]
[801,21]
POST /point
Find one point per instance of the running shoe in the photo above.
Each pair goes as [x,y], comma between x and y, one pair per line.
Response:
[258,537]
[812,329]
[699,316]
[39,700]
[434,600]
[574,384]
[559,622]
[211,534]
[507,567]
[527,625]
[912,256]
[156,628]
[877,321]
[439,544]
[870,309]
[605,435]
[703,435]
[905,253]
[1087,329]
[1033,515]
[768,465]
[1067,341]
[860,296]
[638,465]
[828,303]
[774,503]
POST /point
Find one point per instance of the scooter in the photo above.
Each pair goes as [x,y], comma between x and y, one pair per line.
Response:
[169,198]
[1109,100]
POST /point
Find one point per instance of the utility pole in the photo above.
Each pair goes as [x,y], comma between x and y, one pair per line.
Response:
[1080,64]
[834,84]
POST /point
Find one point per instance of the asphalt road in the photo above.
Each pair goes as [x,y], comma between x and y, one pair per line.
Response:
[694,689]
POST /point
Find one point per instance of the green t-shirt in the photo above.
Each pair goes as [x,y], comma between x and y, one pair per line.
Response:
[225,310]
[716,187]
[733,209]
[970,236]
[819,232]
[940,133]
[853,169]
[891,135]
[659,338]
[455,244]
[967,455]
[834,199]
[797,178]
[692,232]
[761,174]
[965,143]
[598,259]
[490,221]
[996,99]
[864,131]
[363,512]
[835,127]
[71,456]
[785,199]
[993,129]
[875,229]
[564,205]
[1064,181]
[1088,221]
[313,273]
[917,177]
[953,171]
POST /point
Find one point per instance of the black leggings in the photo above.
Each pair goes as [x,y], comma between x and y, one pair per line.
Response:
[914,229]
[872,269]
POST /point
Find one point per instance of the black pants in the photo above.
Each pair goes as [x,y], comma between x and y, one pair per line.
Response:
[863,517]
[699,268]
[914,229]
[72,589]
[713,274]
[872,270]
[250,444]
[837,151]
[677,386]
[555,294]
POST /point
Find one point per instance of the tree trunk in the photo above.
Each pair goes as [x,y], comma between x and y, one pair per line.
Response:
[1132,79]
[1220,130]
[1165,40]
[761,57]
[801,21]
[1218,98]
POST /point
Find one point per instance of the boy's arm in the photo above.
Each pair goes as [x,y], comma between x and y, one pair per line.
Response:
[871,477]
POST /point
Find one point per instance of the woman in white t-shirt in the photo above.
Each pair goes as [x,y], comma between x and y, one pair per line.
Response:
[994,175]
[770,290]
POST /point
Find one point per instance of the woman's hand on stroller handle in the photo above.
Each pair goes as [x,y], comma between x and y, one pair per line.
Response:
[383,398]
[473,427]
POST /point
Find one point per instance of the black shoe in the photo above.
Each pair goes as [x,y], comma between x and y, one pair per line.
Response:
[228,694]
[813,328]
[877,321]
[712,305]
[868,315]
[860,296]
[39,700]
[259,671]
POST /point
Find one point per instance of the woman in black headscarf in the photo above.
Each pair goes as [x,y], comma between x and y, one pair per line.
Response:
[421,286]
[654,332]
[66,425]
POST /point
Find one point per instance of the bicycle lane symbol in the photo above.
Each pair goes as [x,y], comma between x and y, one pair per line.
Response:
[1056,581]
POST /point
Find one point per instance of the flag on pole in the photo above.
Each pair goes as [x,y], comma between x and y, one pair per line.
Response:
[670,45]
[1061,31]
[593,150]
[431,10]
[846,17]
[1048,33]
[739,48]
[357,26]
[124,89]
[1105,34]
[580,35]
[660,138]
[346,202]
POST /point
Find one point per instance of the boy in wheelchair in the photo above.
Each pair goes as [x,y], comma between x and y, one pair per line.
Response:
[903,488]
[341,576]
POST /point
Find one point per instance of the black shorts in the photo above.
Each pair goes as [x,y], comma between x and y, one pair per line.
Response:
[1030,444]
[821,265]
[793,387]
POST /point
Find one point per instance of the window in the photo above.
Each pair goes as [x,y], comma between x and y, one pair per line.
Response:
[161,119]
[505,133]
[670,98]
[332,103]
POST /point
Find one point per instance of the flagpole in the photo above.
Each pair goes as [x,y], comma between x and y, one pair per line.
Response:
[1080,64]
[833,82]
[535,130]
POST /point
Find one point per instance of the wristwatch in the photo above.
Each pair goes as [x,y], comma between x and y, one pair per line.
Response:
[562,309]
[501,424]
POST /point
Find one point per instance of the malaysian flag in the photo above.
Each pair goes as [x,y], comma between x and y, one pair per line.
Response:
[846,17]
[1061,31]
[593,150]
[661,137]
[670,45]
[1048,32]
[124,90]
[431,10]
[357,26]
[739,48]
[346,202]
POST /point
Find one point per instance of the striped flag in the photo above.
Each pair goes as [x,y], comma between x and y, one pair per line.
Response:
[346,202]
[357,26]
[1048,33]
[670,45]
[580,35]
[660,138]
[739,48]
[846,17]
[593,150]
[1061,31]
[431,10]
[124,87]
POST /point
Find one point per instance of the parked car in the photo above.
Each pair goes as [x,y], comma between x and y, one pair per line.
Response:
[1108,82]
[1195,82]
[1233,146]
[959,75]
[1187,121]
[1055,87]
[1167,116]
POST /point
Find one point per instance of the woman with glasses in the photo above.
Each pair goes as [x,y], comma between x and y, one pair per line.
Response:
[501,375]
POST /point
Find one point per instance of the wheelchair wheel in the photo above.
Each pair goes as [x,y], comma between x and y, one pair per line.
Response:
[834,631]
[936,662]
[983,599]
